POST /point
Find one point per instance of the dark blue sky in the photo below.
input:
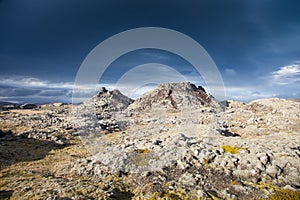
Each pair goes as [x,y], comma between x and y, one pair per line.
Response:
[255,44]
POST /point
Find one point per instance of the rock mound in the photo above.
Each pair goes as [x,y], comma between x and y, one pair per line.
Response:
[262,116]
[103,104]
[107,101]
[174,96]
[96,114]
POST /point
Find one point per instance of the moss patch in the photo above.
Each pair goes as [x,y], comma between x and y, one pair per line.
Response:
[233,149]
[145,151]
[285,194]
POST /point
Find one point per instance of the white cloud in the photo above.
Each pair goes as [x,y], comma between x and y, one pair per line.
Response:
[156,55]
[31,82]
[282,83]
[8,100]
[30,89]
[230,72]
[249,93]
[286,75]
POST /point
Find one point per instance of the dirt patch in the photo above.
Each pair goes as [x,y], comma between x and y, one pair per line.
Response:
[28,111]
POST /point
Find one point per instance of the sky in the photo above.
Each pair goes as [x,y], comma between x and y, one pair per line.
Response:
[254,44]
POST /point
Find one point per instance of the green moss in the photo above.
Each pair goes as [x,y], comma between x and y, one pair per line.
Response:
[233,149]
[285,194]
[235,182]
[175,195]
[172,196]
[277,193]
[155,196]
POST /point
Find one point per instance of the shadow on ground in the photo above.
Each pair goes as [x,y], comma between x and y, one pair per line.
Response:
[227,133]
[5,194]
[117,194]
[14,149]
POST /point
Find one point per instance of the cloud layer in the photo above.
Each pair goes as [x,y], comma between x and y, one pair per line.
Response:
[283,82]
[286,75]
[20,89]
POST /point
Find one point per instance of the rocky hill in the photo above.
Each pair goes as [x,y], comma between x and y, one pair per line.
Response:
[174,96]
[175,142]
[109,101]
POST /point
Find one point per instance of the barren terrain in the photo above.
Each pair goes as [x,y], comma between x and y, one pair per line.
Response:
[175,142]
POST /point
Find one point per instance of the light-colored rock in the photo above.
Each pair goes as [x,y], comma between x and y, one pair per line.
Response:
[187,179]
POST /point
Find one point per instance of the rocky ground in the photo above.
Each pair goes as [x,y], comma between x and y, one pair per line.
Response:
[175,142]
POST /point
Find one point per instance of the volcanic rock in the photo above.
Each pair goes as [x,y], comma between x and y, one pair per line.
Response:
[174,96]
